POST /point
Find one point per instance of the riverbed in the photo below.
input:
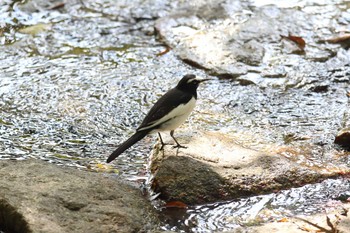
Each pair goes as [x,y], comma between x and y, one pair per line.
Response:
[77,78]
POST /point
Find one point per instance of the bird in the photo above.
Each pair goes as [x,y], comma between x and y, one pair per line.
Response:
[168,113]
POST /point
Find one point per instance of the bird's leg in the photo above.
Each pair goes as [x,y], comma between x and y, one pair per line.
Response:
[161,141]
[177,144]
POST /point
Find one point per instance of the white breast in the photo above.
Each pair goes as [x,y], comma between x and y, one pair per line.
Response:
[175,118]
[178,116]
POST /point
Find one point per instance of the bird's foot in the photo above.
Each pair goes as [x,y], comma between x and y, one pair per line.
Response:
[175,146]
[179,146]
[162,146]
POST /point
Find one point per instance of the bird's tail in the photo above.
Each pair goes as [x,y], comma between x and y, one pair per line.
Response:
[128,143]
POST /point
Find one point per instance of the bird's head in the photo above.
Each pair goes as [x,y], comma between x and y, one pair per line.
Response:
[190,82]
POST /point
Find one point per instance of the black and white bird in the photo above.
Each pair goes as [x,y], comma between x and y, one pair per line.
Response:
[168,113]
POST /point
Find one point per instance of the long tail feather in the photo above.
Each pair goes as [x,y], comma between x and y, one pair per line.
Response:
[128,143]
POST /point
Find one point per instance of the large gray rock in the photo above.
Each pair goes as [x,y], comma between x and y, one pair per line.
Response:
[41,197]
[231,38]
[214,168]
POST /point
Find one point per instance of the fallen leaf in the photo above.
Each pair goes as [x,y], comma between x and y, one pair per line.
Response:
[283,220]
[339,39]
[104,168]
[176,204]
[299,41]
[35,29]
[57,6]
[101,166]
[167,49]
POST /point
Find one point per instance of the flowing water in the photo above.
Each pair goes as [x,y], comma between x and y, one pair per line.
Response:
[77,79]
[309,199]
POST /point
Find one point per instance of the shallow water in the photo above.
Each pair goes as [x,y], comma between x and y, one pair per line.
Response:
[75,82]
[313,198]
[70,103]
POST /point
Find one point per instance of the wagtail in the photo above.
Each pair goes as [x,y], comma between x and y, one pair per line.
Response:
[168,113]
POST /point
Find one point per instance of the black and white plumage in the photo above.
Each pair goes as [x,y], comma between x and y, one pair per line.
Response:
[168,113]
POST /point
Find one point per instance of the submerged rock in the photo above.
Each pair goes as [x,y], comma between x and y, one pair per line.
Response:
[343,136]
[40,197]
[215,168]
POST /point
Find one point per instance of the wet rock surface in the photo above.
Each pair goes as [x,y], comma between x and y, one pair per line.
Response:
[40,197]
[280,91]
[234,38]
[78,77]
[343,136]
[337,220]
[214,167]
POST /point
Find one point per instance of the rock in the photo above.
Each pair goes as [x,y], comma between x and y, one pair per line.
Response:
[215,168]
[231,38]
[36,196]
[337,220]
[343,136]
[320,88]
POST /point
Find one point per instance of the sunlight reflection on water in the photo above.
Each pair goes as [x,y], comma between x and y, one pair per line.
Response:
[70,93]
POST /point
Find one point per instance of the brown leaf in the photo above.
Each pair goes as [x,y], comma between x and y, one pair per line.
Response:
[167,49]
[283,220]
[339,39]
[57,6]
[176,204]
[297,40]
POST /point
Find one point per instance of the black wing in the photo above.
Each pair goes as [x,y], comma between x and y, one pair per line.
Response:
[164,105]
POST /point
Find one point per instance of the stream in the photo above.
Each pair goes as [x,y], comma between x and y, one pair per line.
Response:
[77,78]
